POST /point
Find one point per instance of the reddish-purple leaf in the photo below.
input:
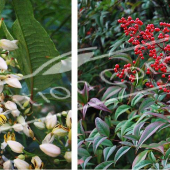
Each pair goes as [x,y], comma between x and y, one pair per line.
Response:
[96,103]
[110,92]
[158,115]
[149,131]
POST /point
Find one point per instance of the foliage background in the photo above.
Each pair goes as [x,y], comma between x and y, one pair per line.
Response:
[98,27]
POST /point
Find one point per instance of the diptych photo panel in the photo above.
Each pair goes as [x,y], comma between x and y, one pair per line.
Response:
[123,84]
[84,84]
[35,84]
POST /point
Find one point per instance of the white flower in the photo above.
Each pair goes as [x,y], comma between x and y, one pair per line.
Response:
[18,127]
[3,64]
[50,150]
[10,105]
[20,164]
[8,45]
[68,119]
[5,127]
[48,139]
[68,156]
[7,165]
[15,146]
[59,132]
[21,120]
[50,121]
[39,125]
[37,162]
[13,81]
[20,99]
[28,132]
[13,108]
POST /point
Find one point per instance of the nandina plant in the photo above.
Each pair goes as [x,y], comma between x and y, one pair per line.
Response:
[131,119]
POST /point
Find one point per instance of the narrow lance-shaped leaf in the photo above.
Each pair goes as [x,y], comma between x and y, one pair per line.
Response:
[110,92]
[97,141]
[97,104]
[140,157]
[104,165]
[120,153]
[108,152]
[121,109]
[142,164]
[149,131]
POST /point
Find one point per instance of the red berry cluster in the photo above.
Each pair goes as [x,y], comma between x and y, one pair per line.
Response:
[149,43]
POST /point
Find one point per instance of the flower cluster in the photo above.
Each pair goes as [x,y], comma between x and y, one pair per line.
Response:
[150,44]
[14,111]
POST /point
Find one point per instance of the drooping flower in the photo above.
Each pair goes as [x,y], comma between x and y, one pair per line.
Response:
[37,162]
[68,156]
[50,121]
[7,165]
[15,146]
[20,164]
[3,64]
[8,45]
[50,150]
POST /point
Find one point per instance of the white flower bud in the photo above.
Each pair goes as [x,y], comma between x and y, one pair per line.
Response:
[27,130]
[20,164]
[5,127]
[14,82]
[7,165]
[59,132]
[64,113]
[48,139]
[50,121]
[10,105]
[3,64]
[50,150]
[15,146]
[21,120]
[18,127]
[68,119]
[8,45]
[68,156]
[15,113]
[39,125]
[20,99]
[37,162]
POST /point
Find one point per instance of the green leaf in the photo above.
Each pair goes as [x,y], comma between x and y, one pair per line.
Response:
[123,56]
[140,157]
[34,45]
[86,161]
[142,164]
[107,142]
[97,141]
[108,152]
[102,127]
[121,109]
[104,165]
[147,102]
[149,131]
[167,153]
[83,152]
[110,92]
[136,99]
[2,5]
[81,130]
[121,152]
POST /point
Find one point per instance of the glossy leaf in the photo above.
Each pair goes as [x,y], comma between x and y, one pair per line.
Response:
[102,127]
[107,152]
[120,110]
[104,165]
[149,131]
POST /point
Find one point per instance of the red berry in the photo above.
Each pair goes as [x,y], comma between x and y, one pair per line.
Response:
[117,66]
[163,76]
